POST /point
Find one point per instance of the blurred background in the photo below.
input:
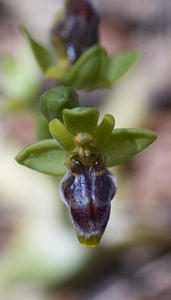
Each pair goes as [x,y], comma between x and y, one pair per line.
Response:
[40,257]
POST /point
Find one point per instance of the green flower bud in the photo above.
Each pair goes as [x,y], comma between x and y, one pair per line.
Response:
[53,102]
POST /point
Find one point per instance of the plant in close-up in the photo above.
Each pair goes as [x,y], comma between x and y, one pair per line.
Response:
[82,150]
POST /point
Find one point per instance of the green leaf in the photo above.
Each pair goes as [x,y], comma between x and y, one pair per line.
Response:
[53,102]
[61,134]
[80,119]
[119,64]
[88,69]
[45,156]
[125,143]
[41,54]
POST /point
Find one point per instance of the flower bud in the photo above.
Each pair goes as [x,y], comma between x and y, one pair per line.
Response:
[87,190]
[53,101]
[77,31]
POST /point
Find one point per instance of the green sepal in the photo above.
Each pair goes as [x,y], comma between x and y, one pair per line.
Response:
[41,54]
[103,131]
[45,156]
[62,135]
[94,69]
[88,69]
[53,102]
[119,64]
[80,119]
[125,143]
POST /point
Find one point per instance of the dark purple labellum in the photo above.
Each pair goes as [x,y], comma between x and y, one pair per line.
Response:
[87,190]
[78,30]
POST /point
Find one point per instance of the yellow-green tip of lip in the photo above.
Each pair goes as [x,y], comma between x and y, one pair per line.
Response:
[93,241]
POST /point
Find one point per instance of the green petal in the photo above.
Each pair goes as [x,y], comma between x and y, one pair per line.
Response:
[41,54]
[125,143]
[103,131]
[53,102]
[88,69]
[80,119]
[119,64]
[45,156]
[61,134]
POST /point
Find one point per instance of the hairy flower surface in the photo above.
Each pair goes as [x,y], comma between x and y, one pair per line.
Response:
[87,189]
